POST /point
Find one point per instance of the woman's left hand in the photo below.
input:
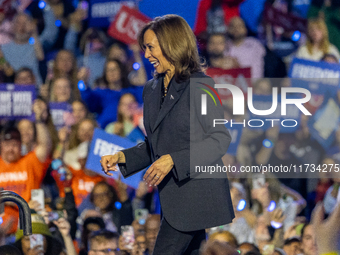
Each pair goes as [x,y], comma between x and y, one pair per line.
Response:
[158,170]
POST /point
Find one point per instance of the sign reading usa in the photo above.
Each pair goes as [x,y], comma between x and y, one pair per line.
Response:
[127,24]
[238,76]
[106,144]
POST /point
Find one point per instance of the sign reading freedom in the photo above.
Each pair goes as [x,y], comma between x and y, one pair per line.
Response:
[102,12]
[16,101]
[317,77]
[108,144]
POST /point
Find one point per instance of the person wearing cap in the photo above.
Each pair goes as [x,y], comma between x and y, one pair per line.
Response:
[51,245]
[18,173]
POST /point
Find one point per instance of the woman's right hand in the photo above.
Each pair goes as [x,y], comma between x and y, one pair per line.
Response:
[109,162]
[83,74]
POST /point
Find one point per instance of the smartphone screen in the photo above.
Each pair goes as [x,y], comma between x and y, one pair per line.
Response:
[55,215]
[129,236]
[38,195]
[36,240]
[141,215]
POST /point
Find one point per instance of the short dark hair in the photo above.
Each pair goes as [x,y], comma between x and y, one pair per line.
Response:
[289,241]
[10,133]
[22,70]
[102,235]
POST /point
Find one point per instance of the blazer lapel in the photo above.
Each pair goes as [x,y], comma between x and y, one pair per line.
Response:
[170,100]
[154,102]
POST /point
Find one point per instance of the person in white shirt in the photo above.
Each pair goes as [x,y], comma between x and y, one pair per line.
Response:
[317,44]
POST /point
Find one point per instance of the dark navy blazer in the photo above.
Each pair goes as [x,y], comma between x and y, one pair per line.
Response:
[187,203]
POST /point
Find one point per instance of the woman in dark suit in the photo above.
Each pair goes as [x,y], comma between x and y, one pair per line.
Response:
[179,139]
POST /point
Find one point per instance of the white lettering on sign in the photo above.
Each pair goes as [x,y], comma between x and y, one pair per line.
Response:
[5,103]
[130,26]
[87,186]
[103,147]
[13,177]
[22,103]
[109,9]
[316,74]
[57,116]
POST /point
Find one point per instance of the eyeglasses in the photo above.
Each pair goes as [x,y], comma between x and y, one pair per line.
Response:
[101,195]
[107,251]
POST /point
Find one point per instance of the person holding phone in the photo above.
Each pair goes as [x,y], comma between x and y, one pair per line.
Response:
[41,242]
[189,205]
[19,173]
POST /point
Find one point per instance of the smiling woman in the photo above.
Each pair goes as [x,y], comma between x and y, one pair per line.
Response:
[188,205]
[170,46]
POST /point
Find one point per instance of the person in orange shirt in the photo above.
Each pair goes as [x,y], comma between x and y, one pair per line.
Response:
[80,181]
[18,173]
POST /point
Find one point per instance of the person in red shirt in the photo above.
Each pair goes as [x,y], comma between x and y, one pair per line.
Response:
[80,181]
[213,16]
[18,173]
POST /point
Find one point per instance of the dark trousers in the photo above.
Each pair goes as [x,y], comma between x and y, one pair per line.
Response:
[171,241]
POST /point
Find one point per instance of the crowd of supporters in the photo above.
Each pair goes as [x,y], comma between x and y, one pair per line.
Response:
[50,45]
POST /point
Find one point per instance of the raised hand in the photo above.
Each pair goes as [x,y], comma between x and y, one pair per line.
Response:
[40,110]
[63,226]
[36,206]
[327,231]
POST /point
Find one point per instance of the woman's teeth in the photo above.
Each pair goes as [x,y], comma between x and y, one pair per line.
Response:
[155,63]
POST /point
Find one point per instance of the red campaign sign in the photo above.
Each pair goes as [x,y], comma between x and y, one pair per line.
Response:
[127,24]
[238,76]
[287,21]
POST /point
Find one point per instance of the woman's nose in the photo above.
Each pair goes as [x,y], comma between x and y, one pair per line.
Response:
[147,53]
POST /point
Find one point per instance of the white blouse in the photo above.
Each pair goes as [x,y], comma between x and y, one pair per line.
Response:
[303,53]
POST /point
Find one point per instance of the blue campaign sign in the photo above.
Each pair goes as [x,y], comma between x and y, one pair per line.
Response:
[103,12]
[107,144]
[16,101]
[301,7]
[317,77]
[288,123]
[235,133]
[136,135]
[323,124]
